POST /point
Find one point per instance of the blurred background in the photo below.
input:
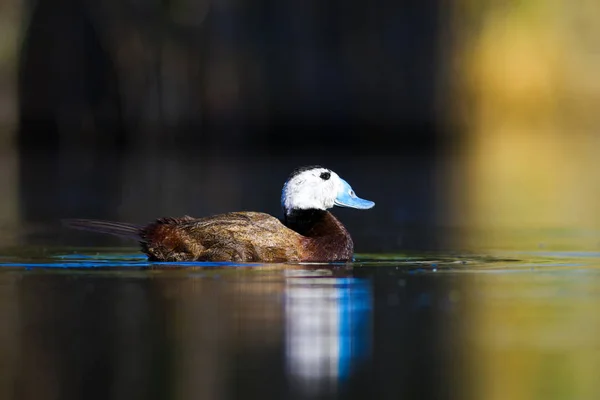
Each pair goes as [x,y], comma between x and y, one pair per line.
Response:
[468,122]
[473,124]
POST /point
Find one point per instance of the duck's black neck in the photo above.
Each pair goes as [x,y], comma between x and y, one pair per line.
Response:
[307,222]
[315,223]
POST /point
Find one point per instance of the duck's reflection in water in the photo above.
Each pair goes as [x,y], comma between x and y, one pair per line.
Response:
[328,329]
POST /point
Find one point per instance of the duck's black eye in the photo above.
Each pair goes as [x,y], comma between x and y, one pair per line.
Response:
[325,175]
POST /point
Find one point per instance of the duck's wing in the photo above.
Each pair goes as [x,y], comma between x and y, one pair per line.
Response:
[238,236]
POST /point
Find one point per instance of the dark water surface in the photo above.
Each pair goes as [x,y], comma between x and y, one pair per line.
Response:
[104,323]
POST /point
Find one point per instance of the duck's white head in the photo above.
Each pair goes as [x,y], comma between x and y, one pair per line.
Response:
[318,188]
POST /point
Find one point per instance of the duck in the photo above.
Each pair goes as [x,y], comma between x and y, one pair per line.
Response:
[307,232]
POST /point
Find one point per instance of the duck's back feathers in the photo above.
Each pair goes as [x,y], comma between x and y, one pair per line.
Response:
[237,236]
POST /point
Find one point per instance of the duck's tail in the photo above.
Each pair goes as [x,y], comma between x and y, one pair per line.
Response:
[122,229]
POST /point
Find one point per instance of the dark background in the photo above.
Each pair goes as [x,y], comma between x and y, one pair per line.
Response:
[132,110]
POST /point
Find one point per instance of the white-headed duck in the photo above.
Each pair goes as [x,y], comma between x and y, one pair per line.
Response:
[307,232]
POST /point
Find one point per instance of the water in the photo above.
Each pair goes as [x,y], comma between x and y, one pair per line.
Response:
[103,323]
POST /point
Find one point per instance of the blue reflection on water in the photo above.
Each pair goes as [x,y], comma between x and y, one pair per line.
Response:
[81,261]
[354,329]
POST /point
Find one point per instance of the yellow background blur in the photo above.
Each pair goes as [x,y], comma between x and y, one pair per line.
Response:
[527,93]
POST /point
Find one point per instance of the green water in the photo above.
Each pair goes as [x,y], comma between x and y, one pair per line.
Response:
[104,323]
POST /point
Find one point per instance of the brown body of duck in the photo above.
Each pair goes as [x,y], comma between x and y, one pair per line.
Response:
[308,232]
